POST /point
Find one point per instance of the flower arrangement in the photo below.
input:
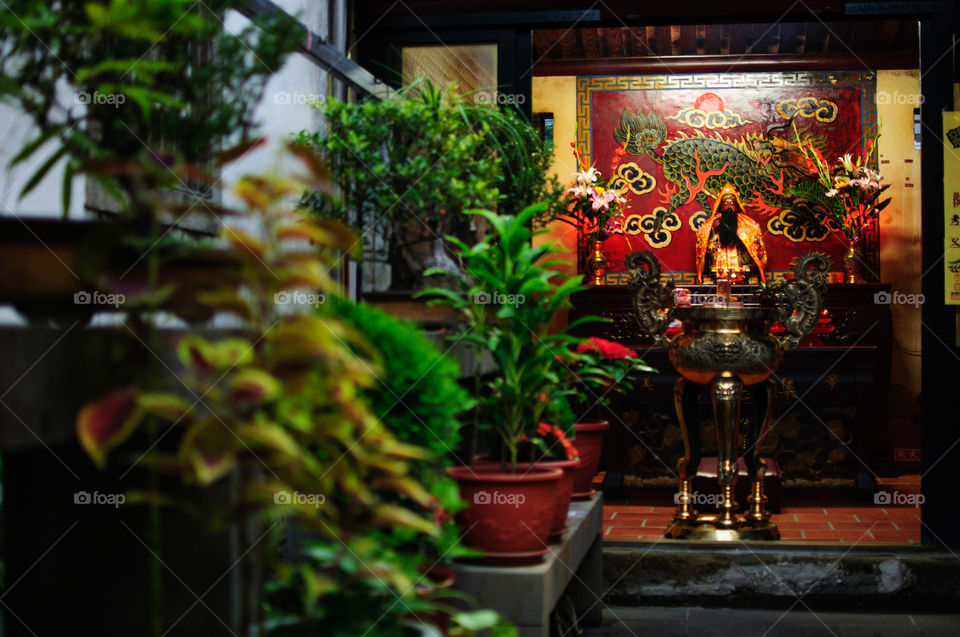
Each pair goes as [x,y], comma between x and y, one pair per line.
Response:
[846,195]
[595,206]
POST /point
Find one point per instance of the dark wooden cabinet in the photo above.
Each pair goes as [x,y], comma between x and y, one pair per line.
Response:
[829,391]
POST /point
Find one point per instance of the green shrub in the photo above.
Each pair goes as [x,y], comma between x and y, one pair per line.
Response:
[417,396]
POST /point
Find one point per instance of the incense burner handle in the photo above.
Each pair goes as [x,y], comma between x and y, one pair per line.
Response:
[800,301]
[652,299]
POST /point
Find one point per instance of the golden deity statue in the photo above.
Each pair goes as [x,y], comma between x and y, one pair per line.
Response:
[729,242]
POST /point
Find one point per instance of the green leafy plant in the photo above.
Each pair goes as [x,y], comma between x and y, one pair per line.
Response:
[417,396]
[525,157]
[410,165]
[418,399]
[279,404]
[149,84]
[598,369]
[407,166]
[508,303]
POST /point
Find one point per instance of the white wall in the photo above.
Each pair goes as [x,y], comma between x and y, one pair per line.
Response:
[285,108]
[16,128]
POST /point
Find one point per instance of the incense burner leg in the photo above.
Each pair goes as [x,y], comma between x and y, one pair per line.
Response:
[757,512]
[684,396]
[726,413]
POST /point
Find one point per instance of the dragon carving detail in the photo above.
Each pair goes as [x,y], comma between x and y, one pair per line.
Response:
[800,301]
[653,299]
[701,164]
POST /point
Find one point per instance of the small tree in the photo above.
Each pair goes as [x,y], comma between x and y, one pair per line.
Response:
[410,165]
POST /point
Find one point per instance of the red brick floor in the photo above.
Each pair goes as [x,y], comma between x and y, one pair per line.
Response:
[805,516]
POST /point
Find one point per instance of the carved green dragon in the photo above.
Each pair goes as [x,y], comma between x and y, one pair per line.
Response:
[698,165]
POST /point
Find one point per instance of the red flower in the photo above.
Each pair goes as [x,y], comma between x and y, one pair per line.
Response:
[545,429]
[607,349]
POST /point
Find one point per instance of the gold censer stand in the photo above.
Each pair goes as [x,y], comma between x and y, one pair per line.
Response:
[726,346]
[727,524]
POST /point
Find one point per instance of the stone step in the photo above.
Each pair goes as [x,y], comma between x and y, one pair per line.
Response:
[799,622]
[775,575]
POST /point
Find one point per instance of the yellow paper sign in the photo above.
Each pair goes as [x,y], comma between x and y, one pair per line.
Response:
[951,206]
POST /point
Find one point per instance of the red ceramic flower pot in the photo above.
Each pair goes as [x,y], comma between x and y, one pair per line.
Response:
[563,493]
[509,514]
[589,444]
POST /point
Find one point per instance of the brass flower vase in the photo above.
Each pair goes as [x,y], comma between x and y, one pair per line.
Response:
[851,265]
[597,263]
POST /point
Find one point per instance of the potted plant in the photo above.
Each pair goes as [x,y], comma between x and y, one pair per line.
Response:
[554,449]
[409,165]
[406,167]
[598,370]
[508,298]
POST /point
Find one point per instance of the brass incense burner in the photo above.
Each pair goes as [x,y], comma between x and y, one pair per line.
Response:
[727,345]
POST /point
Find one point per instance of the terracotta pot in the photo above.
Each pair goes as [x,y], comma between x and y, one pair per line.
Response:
[589,444]
[563,493]
[509,514]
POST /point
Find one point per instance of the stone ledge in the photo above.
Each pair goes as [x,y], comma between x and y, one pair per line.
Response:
[669,573]
[526,595]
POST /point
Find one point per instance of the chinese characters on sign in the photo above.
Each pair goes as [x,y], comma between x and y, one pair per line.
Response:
[951,204]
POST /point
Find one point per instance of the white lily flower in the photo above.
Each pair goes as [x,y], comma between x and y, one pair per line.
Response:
[847,162]
[589,176]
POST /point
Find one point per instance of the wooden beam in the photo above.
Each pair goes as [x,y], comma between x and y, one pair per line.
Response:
[800,42]
[543,45]
[650,41]
[615,41]
[701,44]
[724,39]
[591,43]
[569,45]
[713,42]
[390,14]
[676,40]
[738,39]
[726,63]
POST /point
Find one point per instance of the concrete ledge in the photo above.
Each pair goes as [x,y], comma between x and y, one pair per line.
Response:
[669,573]
[526,595]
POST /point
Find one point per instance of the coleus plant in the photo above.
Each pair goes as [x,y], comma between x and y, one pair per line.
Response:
[278,405]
